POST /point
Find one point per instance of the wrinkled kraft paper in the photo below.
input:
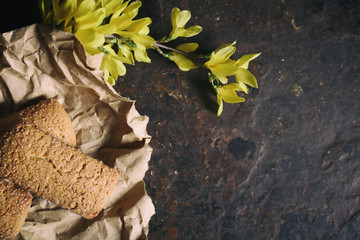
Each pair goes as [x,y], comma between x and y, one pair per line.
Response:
[38,62]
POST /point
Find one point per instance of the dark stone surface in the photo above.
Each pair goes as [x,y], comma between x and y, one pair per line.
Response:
[283,165]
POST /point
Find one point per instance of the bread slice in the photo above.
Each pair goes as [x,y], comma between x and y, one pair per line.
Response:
[55,170]
[14,206]
[49,116]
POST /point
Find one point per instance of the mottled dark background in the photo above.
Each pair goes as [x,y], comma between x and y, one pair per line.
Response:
[283,165]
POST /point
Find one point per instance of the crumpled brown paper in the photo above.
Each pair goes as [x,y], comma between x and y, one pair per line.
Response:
[38,62]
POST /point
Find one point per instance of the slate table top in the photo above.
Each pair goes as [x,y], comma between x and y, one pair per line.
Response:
[285,164]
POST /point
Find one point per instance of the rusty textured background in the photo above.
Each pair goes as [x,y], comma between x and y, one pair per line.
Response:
[283,165]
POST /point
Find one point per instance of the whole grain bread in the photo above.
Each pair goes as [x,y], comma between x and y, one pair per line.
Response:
[50,116]
[55,170]
[14,206]
[47,115]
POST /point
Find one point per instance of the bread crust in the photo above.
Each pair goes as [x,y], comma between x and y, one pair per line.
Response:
[18,201]
[14,207]
[47,115]
[55,170]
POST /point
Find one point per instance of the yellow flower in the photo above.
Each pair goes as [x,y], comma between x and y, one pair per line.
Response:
[220,63]
[112,6]
[133,9]
[222,66]
[87,17]
[243,76]
[115,25]
[90,19]
[140,26]
[227,93]
[142,42]
[184,63]
[63,11]
[179,20]
[112,65]
[90,39]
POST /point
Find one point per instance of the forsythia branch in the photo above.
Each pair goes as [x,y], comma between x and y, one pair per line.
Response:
[109,26]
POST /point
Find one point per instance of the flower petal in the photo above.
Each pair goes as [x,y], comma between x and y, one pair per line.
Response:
[228,93]
[110,51]
[120,9]
[115,67]
[182,18]
[63,11]
[174,14]
[90,39]
[223,70]
[188,32]
[91,19]
[127,54]
[111,80]
[243,87]
[221,54]
[221,105]
[115,25]
[140,26]
[112,6]
[133,9]
[139,39]
[243,62]
[188,47]
[243,75]
[141,55]
[183,63]
[84,7]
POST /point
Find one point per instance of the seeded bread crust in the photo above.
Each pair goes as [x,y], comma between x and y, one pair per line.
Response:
[49,116]
[13,211]
[14,206]
[55,170]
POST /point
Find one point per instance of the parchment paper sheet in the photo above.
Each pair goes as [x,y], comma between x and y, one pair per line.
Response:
[38,62]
